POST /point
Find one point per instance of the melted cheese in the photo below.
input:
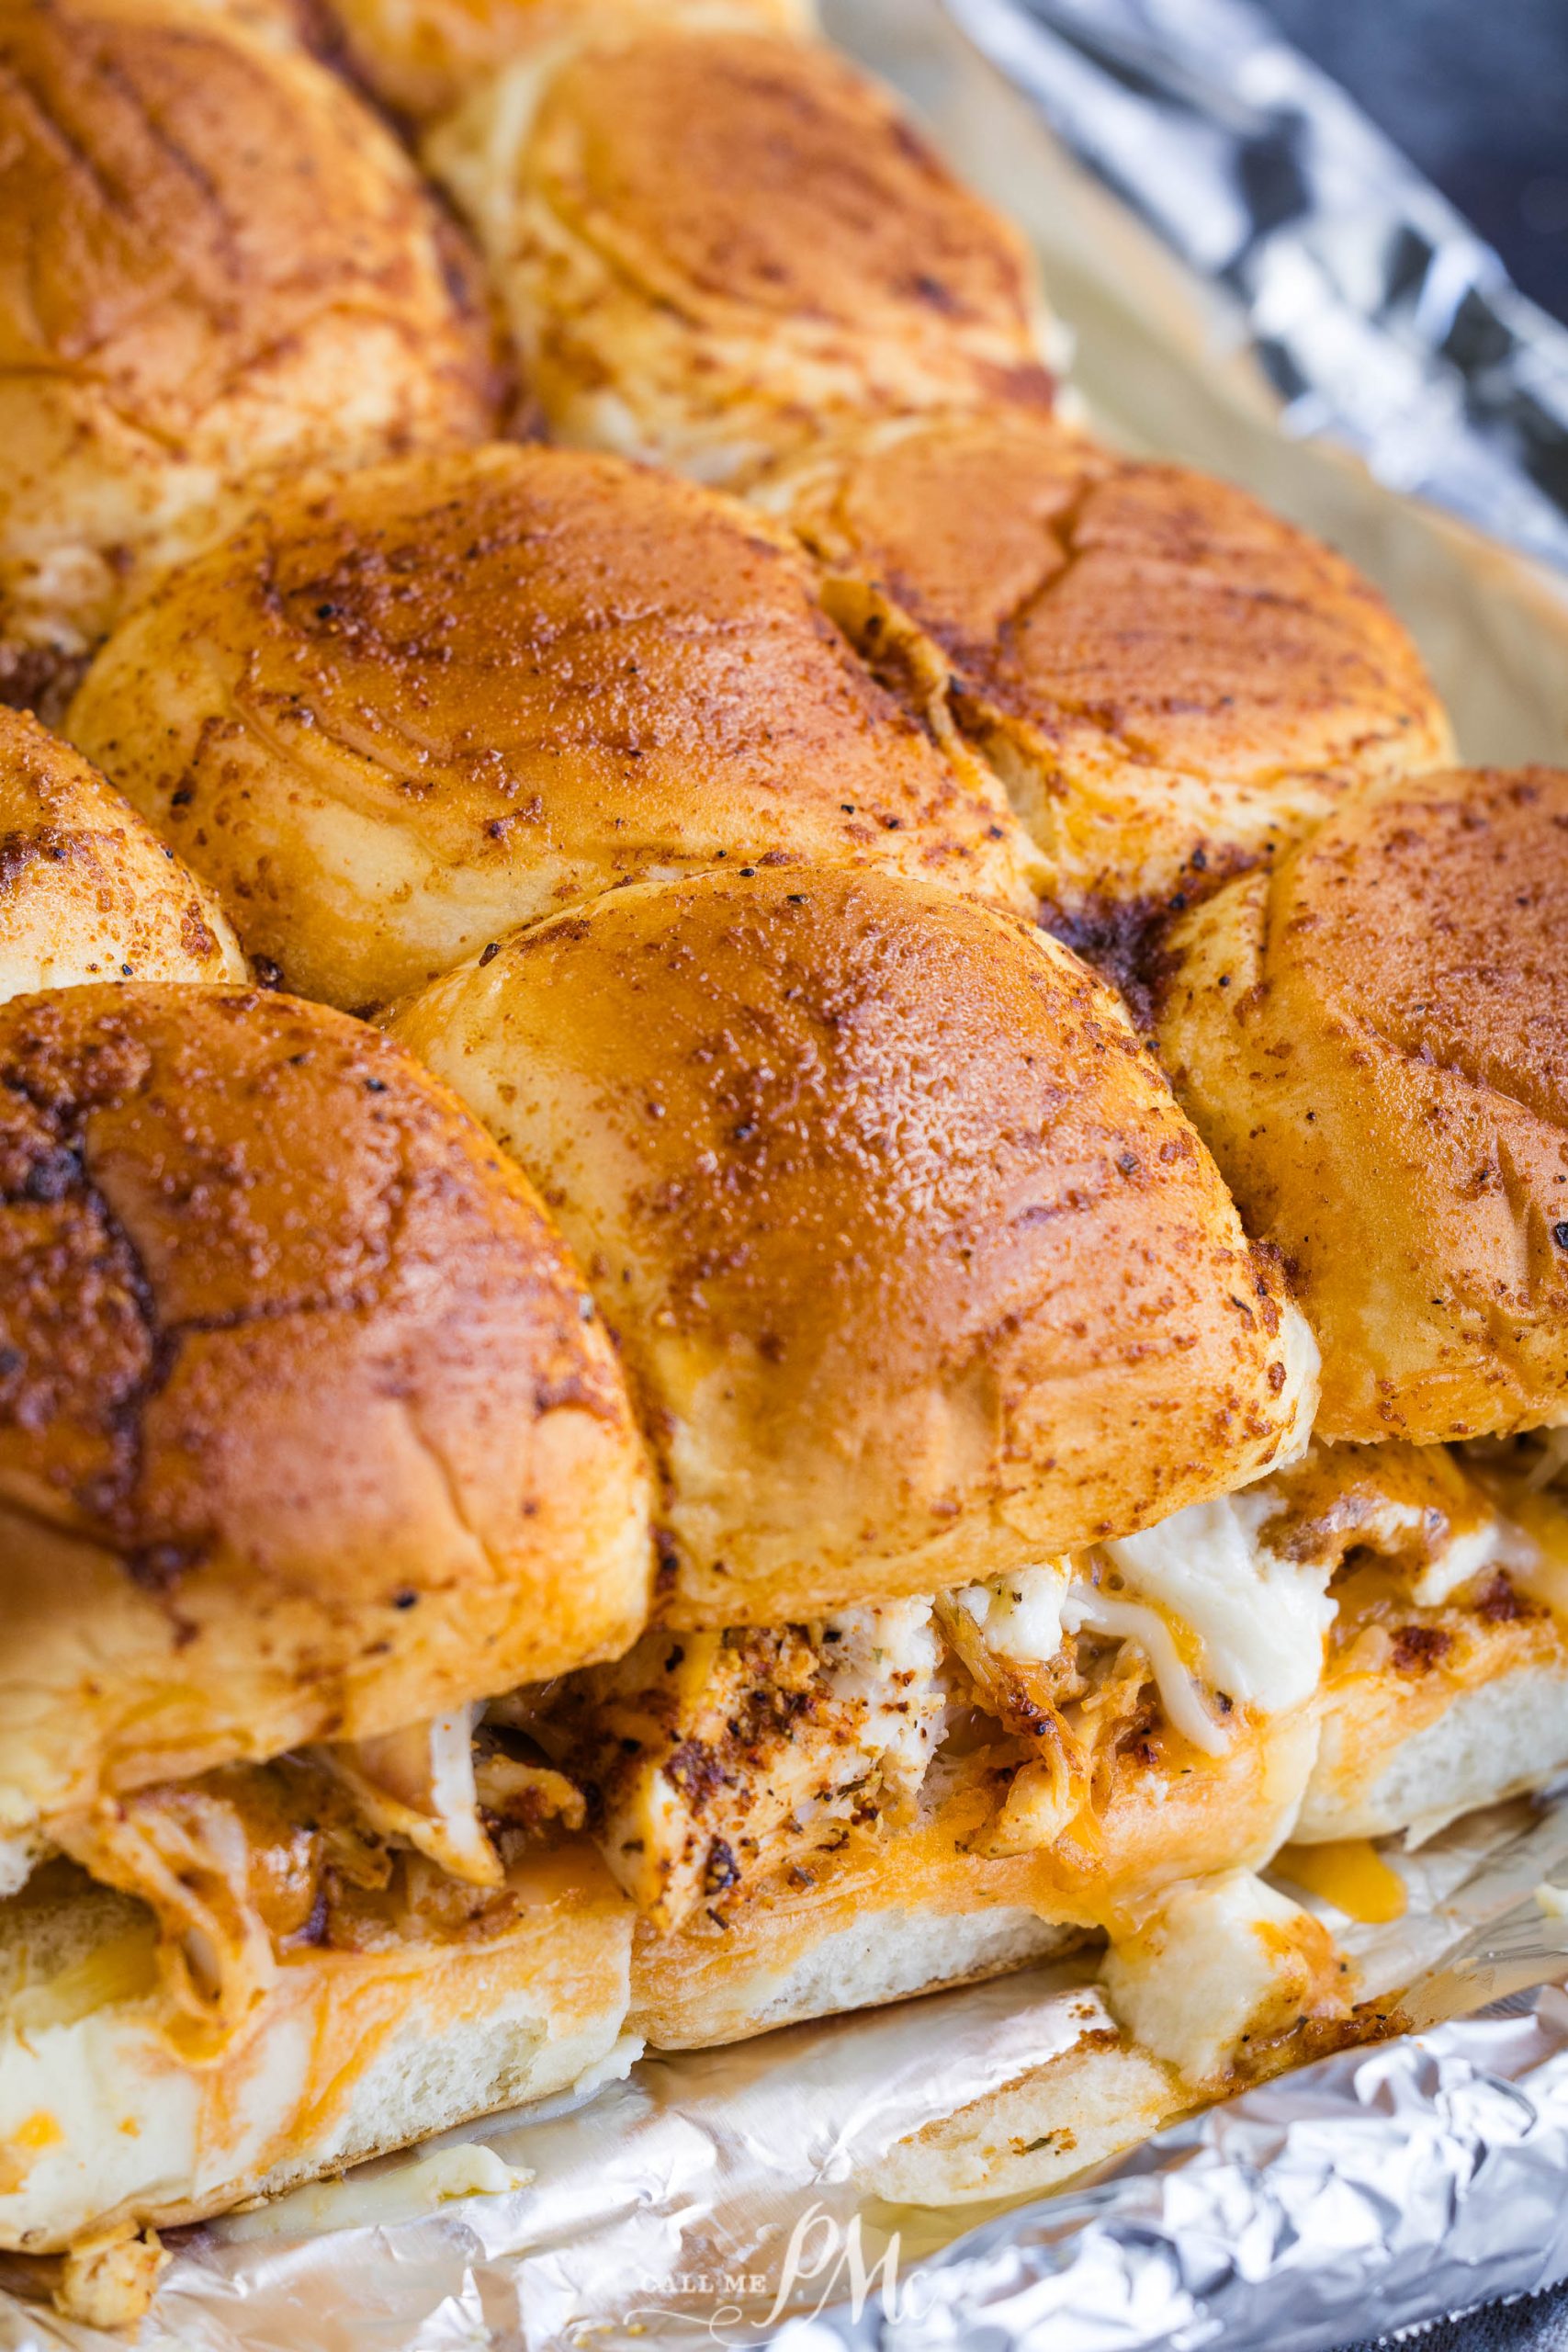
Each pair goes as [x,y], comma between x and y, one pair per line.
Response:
[1259,1621]
[382,2197]
[1350,1873]
[1020,1617]
[1539,1555]
[1089,1611]
[1494,1544]
[1204,1599]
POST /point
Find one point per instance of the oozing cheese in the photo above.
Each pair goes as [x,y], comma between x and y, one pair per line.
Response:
[1089,1611]
[1494,1544]
[1204,1597]
[1259,1620]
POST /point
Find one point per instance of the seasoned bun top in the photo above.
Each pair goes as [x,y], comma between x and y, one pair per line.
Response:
[393,722]
[918,1272]
[306,1429]
[713,246]
[1175,680]
[87,891]
[1374,1042]
[216,269]
[421,56]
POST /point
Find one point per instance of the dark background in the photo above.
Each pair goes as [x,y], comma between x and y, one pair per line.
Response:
[1476,93]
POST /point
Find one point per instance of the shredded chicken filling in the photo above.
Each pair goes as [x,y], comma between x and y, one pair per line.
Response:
[355,1847]
[715,1762]
[1429,1549]
[703,1764]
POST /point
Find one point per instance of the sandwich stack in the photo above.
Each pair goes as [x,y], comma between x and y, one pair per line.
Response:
[783,1173]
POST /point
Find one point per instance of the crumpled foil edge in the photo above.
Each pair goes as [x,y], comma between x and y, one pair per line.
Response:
[1374,2190]
[1380,316]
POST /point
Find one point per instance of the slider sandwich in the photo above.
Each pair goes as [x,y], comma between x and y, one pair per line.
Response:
[87,891]
[393,721]
[1370,1037]
[310,1444]
[950,1351]
[712,246]
[216,270]
[784,1561]
[738,1458]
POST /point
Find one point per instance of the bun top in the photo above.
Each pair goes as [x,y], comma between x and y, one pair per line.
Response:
[306,1429]
[393,721]
[1178,682]
[918,1272]
[713,246]
[87,891]
[1374,1042]
[216,269]
[420,56]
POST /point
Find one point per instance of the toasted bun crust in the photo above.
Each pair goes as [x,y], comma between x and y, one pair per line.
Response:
[1374,1042]
[420,56]
[796,1951]
[87,891]
[712,246]
[1172,681]
[920,1273]
[302,1431]
[216,269]
[351,2055]
[394,721]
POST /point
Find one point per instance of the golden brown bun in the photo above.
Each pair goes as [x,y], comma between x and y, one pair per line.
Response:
[713,246]
[1374,1041]
[87,891]
[216,269]
[303,1433]
[393,722]
[421,56]
[1172,681]
[918,1272]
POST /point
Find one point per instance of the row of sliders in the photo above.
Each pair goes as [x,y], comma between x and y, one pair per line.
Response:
[823,1510]
[684,1418]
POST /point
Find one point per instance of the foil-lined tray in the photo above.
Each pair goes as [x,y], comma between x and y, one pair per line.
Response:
[750,2196]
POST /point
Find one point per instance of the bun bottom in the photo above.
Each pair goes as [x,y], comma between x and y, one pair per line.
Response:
[104,2122]
[1395,1760]
[920,1910]
[779,1972]
[1029,2136]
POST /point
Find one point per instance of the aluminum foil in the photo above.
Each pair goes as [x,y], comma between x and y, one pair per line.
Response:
[1378,314]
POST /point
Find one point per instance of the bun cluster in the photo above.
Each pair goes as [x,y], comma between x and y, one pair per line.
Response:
[783,1170]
